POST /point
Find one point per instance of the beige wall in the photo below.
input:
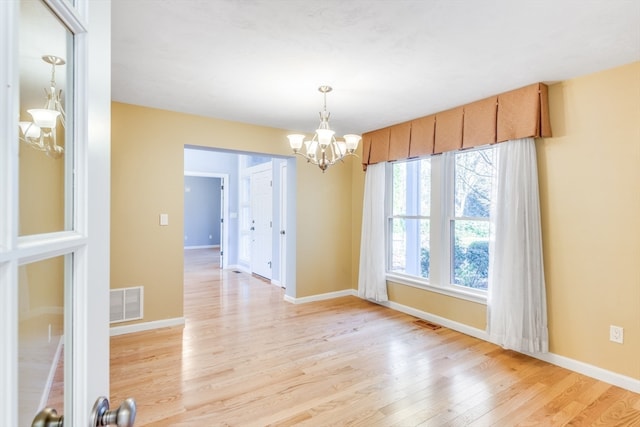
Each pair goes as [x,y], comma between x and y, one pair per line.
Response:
[589,176]
[590,201]
[147,179]
[590,198]
[41,193]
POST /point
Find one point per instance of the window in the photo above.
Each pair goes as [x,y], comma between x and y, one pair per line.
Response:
[473,178]
[438,220]
[410,217]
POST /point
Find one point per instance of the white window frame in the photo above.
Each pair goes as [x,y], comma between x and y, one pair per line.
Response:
[442,216]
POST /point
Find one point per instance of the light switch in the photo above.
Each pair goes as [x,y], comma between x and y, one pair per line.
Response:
[164,219]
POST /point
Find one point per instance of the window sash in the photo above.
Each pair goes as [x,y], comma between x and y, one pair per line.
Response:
[441,245]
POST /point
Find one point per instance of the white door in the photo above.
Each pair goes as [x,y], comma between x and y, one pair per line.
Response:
[54,215]
[260,189]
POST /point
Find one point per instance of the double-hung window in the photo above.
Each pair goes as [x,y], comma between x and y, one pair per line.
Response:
[410,219]
[438,228]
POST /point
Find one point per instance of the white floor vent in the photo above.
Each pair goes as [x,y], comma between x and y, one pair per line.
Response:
[126,304]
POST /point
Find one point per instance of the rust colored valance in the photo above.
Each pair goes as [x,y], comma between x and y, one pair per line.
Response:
[519,113]
[379,146]
[448,130]
[480,122]
[523,113]
[399,138]
[423,133]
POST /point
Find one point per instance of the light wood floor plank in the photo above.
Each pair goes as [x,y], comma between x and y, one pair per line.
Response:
[247,358]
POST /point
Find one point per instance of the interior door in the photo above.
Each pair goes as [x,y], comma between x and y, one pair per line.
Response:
[261,195]
[54,268]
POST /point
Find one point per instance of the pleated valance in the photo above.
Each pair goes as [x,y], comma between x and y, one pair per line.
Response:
[519,113]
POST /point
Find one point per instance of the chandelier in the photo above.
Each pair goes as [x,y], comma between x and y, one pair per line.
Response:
[40,133]
[324,150]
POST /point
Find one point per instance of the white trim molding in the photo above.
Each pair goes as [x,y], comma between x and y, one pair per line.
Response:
[146,326]
[321,297]
[614,378]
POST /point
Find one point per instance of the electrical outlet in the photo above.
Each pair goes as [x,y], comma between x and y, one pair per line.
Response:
[616,334]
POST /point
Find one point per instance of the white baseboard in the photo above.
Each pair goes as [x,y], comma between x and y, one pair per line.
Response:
[319,297]
[592,371]
[186,248]
[146,326]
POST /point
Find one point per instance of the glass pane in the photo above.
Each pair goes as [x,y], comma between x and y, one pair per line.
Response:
[40,337]
[470,253]
[425,187]
[410,247]
[473,180]
[45,152]
[411,192]
[399,190]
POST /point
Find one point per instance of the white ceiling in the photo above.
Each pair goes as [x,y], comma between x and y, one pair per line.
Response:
[261,61]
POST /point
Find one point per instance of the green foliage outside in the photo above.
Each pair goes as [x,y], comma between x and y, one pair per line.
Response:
[471,267]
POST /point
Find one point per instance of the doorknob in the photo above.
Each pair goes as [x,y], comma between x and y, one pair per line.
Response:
[48,417]
[123,416]
[282,232]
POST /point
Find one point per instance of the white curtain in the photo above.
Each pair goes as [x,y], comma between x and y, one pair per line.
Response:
[372,282]
[517,308]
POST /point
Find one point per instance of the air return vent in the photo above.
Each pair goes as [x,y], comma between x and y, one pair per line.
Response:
[126,304]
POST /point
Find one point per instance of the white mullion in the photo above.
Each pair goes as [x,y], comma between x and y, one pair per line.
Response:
[9,84]
[38,248]
[68,15]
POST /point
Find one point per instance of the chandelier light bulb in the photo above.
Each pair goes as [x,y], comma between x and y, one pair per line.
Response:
[29,130]
[295,141]
[352,141]
[44,118]
[324,137]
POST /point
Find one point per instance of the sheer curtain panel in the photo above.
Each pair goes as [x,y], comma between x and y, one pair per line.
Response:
[372,282]
[516,305]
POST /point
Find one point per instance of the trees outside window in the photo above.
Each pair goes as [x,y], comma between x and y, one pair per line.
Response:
[452,192]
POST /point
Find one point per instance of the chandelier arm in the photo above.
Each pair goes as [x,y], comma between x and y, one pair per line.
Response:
[37,145]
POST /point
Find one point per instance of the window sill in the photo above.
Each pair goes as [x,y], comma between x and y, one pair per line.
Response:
[452,291]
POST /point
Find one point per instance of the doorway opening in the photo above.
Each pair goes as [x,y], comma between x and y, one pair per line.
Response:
[257,211]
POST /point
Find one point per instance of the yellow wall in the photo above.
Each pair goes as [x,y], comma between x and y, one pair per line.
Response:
[590,200]
[42,195]
[590,205]
[589,175]
[147,179]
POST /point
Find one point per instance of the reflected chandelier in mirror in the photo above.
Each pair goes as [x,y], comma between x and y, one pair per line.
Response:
[40,133]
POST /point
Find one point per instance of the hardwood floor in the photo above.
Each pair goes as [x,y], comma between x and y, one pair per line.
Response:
[247,358]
